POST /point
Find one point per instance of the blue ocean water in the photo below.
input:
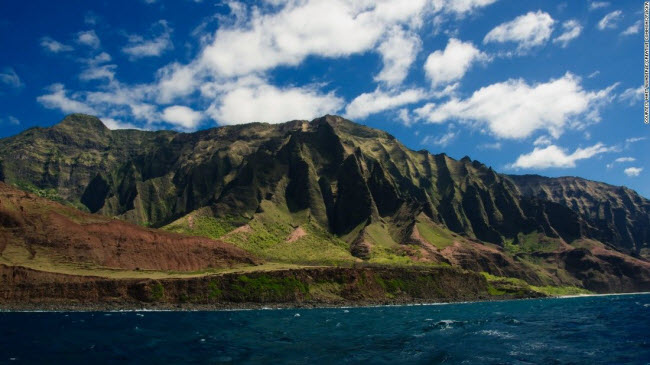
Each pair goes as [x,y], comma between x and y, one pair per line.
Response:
[583,330]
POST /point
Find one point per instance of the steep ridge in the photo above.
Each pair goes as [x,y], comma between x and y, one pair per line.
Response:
[614,215]
[352,190]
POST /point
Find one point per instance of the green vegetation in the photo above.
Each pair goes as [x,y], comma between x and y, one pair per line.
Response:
[560,290]
[157,292]
[213,290]
[435,235]
[50,193]
[531,242]
[265,286]
[204,225]
[499,285]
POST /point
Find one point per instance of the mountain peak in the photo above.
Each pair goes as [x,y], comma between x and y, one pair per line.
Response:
[83,121]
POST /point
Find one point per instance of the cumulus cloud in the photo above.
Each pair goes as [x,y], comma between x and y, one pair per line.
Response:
[572,30]
[231,70]
[379,100]
[182,116]
[610,21]
[441,141]
[96,69]
[261,102]
[115,101]
[528,30]
[514,109]
[398,51]
[58,99]
[88,38]
[633,171]
[557,157]
[10,78]
[632,29]
[452,63]
[139,47]
[260,41]
[328,28]
[54,46]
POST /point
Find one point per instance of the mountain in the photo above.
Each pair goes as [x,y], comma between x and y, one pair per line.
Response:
[330,191]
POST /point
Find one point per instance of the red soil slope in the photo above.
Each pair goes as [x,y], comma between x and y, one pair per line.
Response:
[68,235]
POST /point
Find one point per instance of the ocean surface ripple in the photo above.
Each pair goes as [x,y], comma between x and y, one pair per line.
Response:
[581,330]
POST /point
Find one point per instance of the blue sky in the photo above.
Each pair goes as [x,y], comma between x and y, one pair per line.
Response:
[546,87]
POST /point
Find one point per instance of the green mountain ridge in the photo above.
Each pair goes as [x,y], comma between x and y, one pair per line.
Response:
[330,190]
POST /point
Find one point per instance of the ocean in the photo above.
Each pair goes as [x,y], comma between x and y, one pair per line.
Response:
[611,329]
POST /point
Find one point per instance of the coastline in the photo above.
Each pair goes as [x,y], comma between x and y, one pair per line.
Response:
[157,307]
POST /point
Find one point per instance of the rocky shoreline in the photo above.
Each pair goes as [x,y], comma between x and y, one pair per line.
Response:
[30,290]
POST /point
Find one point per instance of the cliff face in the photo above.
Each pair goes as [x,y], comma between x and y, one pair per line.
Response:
[614,215]
[343,174]
[339,189]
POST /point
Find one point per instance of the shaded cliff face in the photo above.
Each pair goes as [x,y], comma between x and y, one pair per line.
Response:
[614,215]
[359,185]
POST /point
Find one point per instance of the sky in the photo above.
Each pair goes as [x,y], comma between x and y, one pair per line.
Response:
[528,87]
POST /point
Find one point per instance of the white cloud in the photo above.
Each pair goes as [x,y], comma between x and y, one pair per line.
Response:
[139,47]
[572,30]
[98,73]
[114,100]
[632,95]
[598,5]
[633,171]
[460,7]
[58,99]
[379,100]
[442,141]
[593,74]
[10,78]
[528,30]
[554,156]
[231,71]
[267,103]
[327,28]
[632,29]
[625,159]
[88,38]
[542,141]
[96,69]
[297,29]
[610,21]
[404,115]
[111,123]
[398,51]
[446,66]
[515,109]
[635,139]
[182,116]
[54,46]
[10,120]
